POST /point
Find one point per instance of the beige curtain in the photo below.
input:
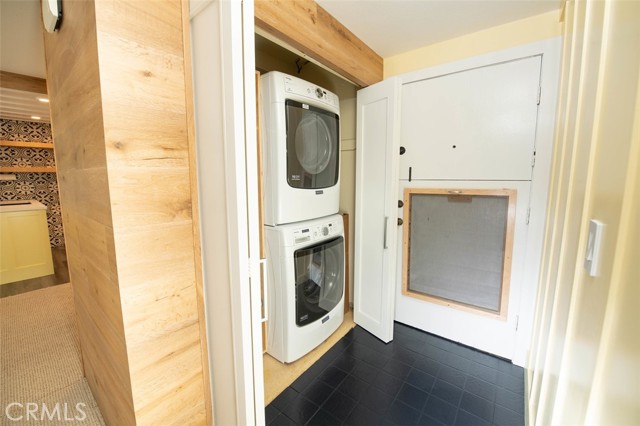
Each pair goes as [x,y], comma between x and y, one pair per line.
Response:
[584,363]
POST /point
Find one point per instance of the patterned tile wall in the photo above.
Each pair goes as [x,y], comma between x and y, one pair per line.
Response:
[32,186]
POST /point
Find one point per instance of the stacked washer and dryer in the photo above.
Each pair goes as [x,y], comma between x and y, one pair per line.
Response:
[303,232]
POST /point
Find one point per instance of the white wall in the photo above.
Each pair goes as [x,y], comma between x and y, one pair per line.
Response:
[512,34]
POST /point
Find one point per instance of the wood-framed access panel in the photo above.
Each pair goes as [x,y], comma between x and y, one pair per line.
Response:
[457,247]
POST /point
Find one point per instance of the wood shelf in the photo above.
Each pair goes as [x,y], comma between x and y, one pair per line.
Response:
[27,169]
[21,144]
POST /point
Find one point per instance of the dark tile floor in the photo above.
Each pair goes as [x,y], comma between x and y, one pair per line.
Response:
[418,379]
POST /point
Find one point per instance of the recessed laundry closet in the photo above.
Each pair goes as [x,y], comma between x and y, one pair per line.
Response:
[307,146]
[441,214]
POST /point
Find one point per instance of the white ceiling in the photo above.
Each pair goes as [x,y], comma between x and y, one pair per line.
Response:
[21,44]
[391,27]
[22,52]
[23,106]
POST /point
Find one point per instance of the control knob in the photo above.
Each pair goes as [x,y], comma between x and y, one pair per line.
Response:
[319,93]
[325,231]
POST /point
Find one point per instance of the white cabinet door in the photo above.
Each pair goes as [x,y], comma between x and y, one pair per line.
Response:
[477,124]
[377,153]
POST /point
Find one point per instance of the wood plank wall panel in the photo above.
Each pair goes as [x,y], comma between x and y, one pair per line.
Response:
[147,146]
[78,130]
[121,124]
[306,26]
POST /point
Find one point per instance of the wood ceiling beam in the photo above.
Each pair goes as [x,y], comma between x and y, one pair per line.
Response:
[307,27]
[9,80]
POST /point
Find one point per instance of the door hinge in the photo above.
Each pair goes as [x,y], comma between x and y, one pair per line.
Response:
[528,214]
[533,160]
[539,94]
[517,321]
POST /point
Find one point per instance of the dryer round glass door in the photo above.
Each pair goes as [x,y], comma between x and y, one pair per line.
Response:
[313,146]
[319,273]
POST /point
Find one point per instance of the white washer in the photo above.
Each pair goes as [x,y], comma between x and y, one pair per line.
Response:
[301,153]
[305,285]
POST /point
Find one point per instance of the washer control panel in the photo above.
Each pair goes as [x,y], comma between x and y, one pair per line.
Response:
[315,232]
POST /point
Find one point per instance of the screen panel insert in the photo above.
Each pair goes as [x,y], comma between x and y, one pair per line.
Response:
[457,247]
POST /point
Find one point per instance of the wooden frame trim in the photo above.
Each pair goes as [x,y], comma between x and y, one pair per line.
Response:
[323,38]
[22,144]
[15,169]
[347,254]
[511,195]
[9,80]
[195,216]
[263,249]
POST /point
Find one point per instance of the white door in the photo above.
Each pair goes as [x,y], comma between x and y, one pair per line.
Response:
[377,154]
[222,37]
[472,129]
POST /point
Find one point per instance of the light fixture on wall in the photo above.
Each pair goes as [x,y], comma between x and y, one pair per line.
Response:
[51,14]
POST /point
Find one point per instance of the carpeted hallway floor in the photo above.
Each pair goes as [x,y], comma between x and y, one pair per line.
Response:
[41,363]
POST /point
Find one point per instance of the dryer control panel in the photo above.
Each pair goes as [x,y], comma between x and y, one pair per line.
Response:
[300,87]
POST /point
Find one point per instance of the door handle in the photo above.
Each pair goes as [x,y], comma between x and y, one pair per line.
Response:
[262,264]
[386,224]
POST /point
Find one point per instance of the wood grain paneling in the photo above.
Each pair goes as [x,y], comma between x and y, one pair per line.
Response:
[145,115]
[307,27]
[74,84]
[347,255]
[9,80]
[127,181]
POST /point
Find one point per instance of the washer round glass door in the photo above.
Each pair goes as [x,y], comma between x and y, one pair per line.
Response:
[319,273]
[313,146]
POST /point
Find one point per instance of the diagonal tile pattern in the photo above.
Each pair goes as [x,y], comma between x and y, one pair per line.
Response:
[418,379]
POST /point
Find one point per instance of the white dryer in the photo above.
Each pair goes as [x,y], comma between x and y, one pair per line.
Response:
[301,153]
[305,285]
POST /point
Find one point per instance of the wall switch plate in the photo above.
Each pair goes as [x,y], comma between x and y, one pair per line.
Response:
[593,254]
